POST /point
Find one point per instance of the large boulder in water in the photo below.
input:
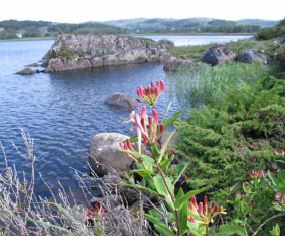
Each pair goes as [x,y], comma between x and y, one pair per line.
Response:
[87,51]
[251,56]
[121,101]
[218,54]
[106,154]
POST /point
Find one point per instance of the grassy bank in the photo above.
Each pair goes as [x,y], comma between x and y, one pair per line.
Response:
[233,137]
[238,46]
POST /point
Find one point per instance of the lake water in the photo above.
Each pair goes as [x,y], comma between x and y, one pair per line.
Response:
[63,111]
[198,40]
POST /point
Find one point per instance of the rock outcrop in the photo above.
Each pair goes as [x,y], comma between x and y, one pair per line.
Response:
[105,153]
[87,51]
[173,64]
[218,54]
[251,56]
[27,71]
[121,101]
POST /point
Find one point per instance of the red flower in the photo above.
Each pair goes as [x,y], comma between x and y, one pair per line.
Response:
[151,93]
[257,173]
[279,152]
[203,211]
[279,197]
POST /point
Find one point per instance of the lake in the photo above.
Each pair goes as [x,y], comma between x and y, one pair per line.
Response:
[184,40]
[63,111]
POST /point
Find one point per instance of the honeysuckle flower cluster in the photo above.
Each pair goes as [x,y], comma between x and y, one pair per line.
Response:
[151,93]
[148,129]
[204,211]
[279,197]
[94,212]
[257,173]
[279,152]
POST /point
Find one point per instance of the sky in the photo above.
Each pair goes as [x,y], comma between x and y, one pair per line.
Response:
[76,11]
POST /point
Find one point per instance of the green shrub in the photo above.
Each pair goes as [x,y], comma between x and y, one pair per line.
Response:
[225,140]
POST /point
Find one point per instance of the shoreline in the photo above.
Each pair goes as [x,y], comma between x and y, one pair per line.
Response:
[135,35]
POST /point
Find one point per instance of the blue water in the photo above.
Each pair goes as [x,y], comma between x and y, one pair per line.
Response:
[185,40]
[62,111]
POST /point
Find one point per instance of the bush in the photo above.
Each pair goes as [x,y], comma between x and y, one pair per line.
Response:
[225,140]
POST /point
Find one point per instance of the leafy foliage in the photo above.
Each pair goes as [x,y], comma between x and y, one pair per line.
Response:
[272,32]
[224,141]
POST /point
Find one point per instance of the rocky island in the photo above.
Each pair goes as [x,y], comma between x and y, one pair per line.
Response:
[88,51]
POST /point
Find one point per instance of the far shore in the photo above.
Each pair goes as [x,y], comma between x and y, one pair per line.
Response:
[137,35]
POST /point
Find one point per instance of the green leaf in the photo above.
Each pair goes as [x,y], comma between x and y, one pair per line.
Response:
[229,230]
[142,172]
[275,231]
[172,119]
[159,226]
[179,170]
[164,164]
[141,188]
[183,218]
[164,147]
[162,190]
[179,201]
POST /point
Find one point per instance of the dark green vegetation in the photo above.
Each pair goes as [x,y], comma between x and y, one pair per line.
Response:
[12,29]
[272,32]
[233,138]
[191,25]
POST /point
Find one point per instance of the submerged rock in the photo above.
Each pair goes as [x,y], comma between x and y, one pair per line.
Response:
[121,101]
[27,71]
[105,153]
[86,51]
[218,54]
[251,56]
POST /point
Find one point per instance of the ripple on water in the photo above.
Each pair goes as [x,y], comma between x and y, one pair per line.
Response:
[62,111]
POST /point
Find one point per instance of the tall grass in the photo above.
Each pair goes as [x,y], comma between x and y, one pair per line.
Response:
[208,85]
[23,213]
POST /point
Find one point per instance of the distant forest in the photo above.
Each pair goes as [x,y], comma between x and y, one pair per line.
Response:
[12,29]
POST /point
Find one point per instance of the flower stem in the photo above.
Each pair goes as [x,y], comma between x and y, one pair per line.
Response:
[171,197]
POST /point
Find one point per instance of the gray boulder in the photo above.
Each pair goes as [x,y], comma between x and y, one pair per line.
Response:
[121,101]
[251,56]
[27,71]
[165,43]
[87,51]
[173,64]
[105,153]
[218,54]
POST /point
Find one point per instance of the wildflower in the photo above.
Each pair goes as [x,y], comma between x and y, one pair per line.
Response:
[128,148]
[279,152]
[93,212]
[151,93]
[279,197]
[203,211]
[257,173]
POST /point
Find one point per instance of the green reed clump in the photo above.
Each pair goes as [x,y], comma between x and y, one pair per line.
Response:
[211,85]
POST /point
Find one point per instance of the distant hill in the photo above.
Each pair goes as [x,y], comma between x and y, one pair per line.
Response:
[11,29]
[262,23]
[191,25]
